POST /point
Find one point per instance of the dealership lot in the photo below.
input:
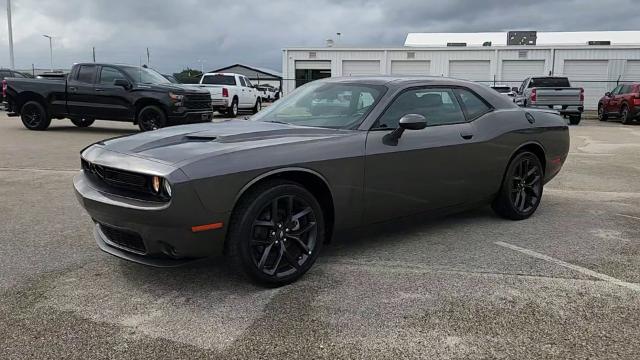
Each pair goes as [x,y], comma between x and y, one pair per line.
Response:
[565,283]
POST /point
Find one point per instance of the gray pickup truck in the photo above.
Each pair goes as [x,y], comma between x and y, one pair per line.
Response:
[551,92]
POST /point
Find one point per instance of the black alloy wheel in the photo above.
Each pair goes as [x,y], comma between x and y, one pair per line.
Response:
[151,118]
[522,188]
[34,116]
[624,115]
[276,233]
[602,116]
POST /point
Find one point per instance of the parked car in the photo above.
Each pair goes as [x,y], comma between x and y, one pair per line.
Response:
[269,93]
[231,92]
[270,192]
[552,92]
[506,90]
[622,102]
[108,92]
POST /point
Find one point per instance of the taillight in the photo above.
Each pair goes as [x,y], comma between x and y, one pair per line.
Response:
[534,95]
[581,94]
[225,92]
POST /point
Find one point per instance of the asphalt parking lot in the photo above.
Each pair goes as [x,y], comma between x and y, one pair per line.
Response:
[562,284]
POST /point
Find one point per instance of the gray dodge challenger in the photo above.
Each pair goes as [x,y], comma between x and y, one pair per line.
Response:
[335,154]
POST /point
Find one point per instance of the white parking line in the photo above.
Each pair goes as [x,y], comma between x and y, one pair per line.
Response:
[586,271]
[629,216]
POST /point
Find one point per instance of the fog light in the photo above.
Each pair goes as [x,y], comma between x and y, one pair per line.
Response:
[155,184]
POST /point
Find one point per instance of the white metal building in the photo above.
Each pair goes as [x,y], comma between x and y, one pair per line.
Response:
[596,68]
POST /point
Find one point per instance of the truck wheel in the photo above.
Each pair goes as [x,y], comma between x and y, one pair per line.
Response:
[34,116]
[602,116]
[151,118]
[258,106]
[82,122]
[624,115]
[575,119]
[233,109]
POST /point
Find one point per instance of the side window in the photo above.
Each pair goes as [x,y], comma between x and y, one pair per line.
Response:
[18,75]
[249,84]
[626,89]
[472,103]
[108,75]
[242,81]
[439,106]
[616,89]
[86,73]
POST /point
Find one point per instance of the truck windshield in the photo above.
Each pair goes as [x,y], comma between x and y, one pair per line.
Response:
[321,104]
[142,75]
[218,79]
[551,82]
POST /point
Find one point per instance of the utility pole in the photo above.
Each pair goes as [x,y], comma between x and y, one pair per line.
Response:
[50,49]
[11,60]
[94,54]
[148,58]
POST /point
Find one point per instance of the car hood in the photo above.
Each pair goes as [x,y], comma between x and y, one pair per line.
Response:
[178,145]
[177,88]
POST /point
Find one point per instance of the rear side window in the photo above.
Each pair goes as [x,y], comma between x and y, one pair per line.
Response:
[108,75]
[626,89]
[249,84]
[549,82]
[219,80]
[86,73]
[474,106]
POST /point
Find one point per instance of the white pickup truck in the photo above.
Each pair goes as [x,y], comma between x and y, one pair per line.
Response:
[554,93]
[231,92]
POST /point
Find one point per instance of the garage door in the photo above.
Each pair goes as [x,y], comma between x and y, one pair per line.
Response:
[515,71]
[410,67]
[474,70]
[360,67]
[632,71]
[592,75]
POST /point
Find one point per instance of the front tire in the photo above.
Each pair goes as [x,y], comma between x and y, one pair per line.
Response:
[82,122]
[521,189]
[276,233]
[602,116]
[34,116]
[151,118]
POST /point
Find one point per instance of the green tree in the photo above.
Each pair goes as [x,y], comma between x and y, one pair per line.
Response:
[188,76]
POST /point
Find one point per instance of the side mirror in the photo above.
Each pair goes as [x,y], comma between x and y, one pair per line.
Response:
[607,94]
[122,82]
[407,122]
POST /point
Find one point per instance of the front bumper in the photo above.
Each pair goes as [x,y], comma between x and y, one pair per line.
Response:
[163,229]
[189,117]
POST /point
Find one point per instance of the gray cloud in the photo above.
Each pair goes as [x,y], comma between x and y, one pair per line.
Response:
[179,33]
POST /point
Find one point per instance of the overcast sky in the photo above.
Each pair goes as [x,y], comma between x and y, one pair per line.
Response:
[180,32]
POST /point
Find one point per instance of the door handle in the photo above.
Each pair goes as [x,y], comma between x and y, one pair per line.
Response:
[466,135]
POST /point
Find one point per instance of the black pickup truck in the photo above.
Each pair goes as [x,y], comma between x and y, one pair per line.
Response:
[107,92]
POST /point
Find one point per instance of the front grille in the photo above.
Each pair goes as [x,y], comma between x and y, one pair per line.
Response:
[118,178]
[197,102]
[126,239]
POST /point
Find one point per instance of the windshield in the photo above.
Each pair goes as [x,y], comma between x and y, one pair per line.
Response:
[549,82]
[142,75]
[322,104]
[218,79]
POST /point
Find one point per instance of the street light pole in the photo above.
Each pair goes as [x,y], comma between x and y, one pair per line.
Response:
[11,60]
[50,49]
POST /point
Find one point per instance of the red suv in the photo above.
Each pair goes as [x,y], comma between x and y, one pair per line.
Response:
[622,102]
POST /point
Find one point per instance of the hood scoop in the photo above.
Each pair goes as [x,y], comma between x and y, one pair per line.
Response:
[170,141]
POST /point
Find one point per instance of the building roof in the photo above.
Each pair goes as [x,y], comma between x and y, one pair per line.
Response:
[543,38]
[262,70]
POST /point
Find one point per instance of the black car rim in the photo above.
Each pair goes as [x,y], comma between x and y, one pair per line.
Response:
[600,112]
[625,114]
[150,120]
[283,236]
[32,115]
[526,185]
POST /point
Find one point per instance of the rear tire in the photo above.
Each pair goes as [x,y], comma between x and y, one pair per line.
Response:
[602,116]
[624,115]
[34,116]
[257,107]
[278,249]
[151,118]
[521,189]
[233,109]
[82,122]
[575,119]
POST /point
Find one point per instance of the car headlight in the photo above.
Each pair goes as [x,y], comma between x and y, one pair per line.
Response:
[160,186]
[176,97]
[167,187]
